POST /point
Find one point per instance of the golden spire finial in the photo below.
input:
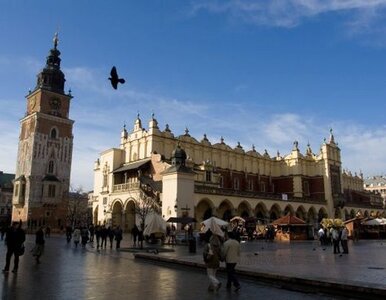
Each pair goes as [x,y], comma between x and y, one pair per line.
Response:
[56,40]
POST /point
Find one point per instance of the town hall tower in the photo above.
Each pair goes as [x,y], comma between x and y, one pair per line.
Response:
[45,147]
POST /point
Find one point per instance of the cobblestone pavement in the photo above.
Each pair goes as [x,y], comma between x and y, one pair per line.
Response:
[69,273]
[363,269]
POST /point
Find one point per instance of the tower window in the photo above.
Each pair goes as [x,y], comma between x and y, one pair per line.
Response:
[53,133]
[22,190]
[16,190]
[51,167]
[51,190]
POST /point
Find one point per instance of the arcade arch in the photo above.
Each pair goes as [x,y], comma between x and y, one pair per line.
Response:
[322,214]
[312,215]
[225,210]
[129,216]
[274,212]
[288,210]
[243,210]
[116,214]
[261,213]
[301,213]
[204,210]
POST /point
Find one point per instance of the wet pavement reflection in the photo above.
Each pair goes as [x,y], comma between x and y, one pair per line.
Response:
[69,273]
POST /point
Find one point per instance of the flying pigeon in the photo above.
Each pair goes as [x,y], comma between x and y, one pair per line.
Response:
[114,78]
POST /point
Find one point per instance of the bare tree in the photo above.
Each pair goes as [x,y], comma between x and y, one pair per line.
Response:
[77,208]
[144,206]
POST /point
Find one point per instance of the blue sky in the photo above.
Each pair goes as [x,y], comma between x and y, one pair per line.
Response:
[256,72]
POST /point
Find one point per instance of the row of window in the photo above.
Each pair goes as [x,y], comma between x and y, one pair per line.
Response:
[51,190]
[250,187]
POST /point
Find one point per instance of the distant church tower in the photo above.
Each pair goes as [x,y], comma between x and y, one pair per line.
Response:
[45,147]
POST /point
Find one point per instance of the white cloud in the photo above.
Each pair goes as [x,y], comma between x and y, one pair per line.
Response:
[99,113]
[290,13]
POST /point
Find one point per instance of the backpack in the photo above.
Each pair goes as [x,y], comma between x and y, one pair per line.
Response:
[208,253]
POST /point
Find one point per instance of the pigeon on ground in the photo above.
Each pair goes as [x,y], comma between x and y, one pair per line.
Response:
[114,78]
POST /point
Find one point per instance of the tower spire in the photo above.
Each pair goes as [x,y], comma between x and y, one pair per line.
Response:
[51,77]
[56,40]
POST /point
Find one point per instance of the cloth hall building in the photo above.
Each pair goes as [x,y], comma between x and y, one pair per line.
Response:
[198,178]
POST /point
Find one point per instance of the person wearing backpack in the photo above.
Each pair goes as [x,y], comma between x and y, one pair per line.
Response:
[212,256]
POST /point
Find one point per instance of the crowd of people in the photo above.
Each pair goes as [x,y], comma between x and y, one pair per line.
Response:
[103,234]
[335,236]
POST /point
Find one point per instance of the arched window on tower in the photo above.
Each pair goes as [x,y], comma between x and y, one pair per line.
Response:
[54,133]
[51,167]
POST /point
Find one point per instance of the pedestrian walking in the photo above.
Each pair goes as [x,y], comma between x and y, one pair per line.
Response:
[104,234]
[231,254]
[68,233]
[212,256]
[84,235]
[38,250]
[344,240]
[321,236]
[76,236]
[91,229]
[335,239]
[173,235]
[14,238]
[110,234]
[98,233]
[134,233]
[118,236]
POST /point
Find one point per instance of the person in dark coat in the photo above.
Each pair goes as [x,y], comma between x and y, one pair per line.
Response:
[84,236]
[39,244]
[68,233]
[14,239]
[91,229]
[118,236]
[134,233]
[104,234]
[110,234]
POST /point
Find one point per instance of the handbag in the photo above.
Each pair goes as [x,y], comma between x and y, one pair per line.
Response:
[21,250]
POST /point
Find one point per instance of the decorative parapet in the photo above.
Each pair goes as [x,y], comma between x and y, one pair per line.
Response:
[205,189]
[126,187]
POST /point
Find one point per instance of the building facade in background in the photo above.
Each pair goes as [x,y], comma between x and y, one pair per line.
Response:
[198,178]
[6,191]
[45,150]
[377,185]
